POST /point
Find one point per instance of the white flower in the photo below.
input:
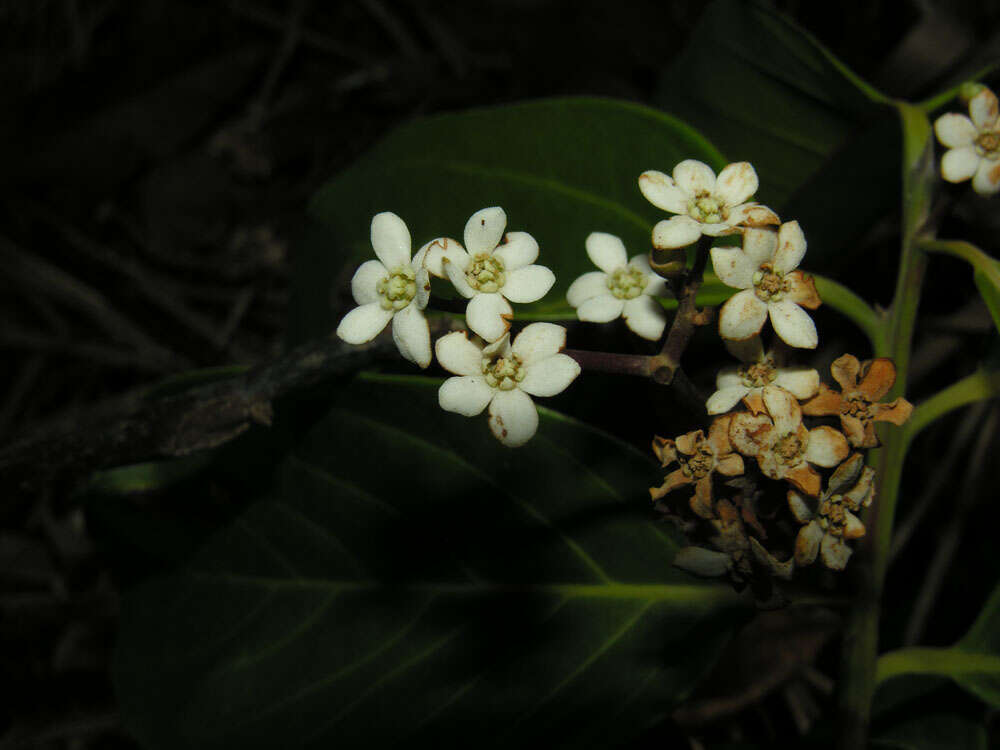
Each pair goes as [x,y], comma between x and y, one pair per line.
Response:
[390,288]
[747,382]
[765,270]
[489,273]
[504,376]
[705,204]
[973,144]
[622,287]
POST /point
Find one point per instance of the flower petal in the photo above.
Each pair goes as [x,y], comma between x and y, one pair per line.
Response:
[718,229]
[877,378]
[751,434]
[897,412]
[455,271]
[688,442]
[517,250]
[694,177]
[457,354]
[803,477]
[825,403]
[467,395]
[645,317]
[660,190]
[783,408]
[733,267]
[731,465]
[365,279]
[800,507]
[412,335]
[725,399]
[791,247]
[363,323]
[432,255]
[665,450]
[528,284]
[489,315]
[701,500]
[827,447]
[853,528]
[390,240]
[749,350]
[987,179]
[484,229]
[702,562]
[513,417]
[793,324]
[600,309]
[860,496]
[539,341]
[834,552]
[606,251]
[736,183]
[802,290]
[845,370]
[677,231]
[801,382]
[655,285]
[550,376]
[760,245]
[591,284]
[807,543]
[729,377]
[954,130]
[752,215]
[959,164]
[742,316]
[983,109]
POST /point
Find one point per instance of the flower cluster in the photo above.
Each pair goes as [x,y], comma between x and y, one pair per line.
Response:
[783,482]
[492,270]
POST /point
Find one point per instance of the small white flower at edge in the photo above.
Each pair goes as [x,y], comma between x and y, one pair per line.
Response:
[765,270]
[395,288]
[705,204]
[622,287]
[504,376]
[973,144]
[747,382]
[489,272]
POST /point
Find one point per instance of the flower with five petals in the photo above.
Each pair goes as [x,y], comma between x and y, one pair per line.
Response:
[861,388]
[704,203]
[698,458]
[489,272]
[759,369]
[395,288]
[781,444]
[829,520]
[765,269]
[623,287]
[973,143]
[504,376]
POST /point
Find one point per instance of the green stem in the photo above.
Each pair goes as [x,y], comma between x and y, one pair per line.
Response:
[857,686]
[851,306]
[980,385]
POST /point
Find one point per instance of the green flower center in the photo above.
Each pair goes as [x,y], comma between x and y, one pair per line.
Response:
[833,515]
[788,449]
[486,273]
[627,282]
[768,284]
[988,144]
[399,289]
[698,465]
[707,209]
[758,374]
[503,373]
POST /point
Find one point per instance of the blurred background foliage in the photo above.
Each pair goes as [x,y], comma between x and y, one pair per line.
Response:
[159,157]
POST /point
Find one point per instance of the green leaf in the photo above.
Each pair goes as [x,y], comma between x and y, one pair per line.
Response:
[561,169]
[765,91]
[404,577]
[973,662]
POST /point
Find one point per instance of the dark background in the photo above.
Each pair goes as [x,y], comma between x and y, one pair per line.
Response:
[157,156]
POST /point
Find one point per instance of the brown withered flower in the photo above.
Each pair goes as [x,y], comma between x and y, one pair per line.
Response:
[830,520]
[698,458]
[781,444]
[861,386]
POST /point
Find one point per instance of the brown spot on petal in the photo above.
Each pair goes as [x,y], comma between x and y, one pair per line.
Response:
[805,479]
[825,403]
[802,290]
[896,412]
[877,377]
